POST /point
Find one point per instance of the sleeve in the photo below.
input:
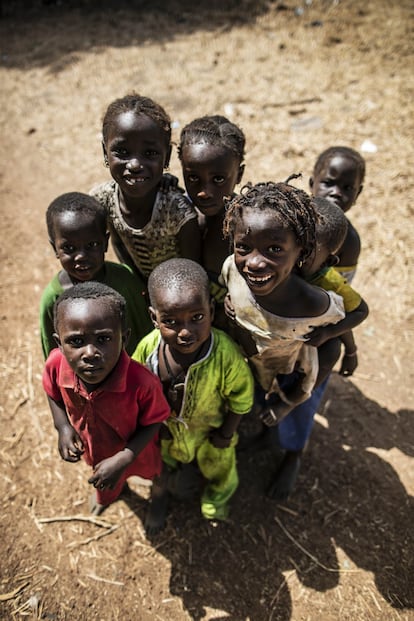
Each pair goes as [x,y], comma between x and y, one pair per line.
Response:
[130,285]
[153,406]
[334,281]
[50,376]
[238,384]
[46,321]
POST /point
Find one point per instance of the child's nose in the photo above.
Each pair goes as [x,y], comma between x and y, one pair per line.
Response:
[80,254]
[204,193]
[255,260]
[134,164]
[90,351]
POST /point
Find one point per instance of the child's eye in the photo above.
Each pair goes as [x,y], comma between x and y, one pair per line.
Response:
[198,317]
[151,153]
[104,338]
[241,248]
[192,178]
[94,244]
[275,249]
[120,152]
[219,179]
[169,322]
[75,341]
[68,248]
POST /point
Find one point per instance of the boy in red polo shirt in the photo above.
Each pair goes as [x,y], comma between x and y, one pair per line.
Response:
[105,406]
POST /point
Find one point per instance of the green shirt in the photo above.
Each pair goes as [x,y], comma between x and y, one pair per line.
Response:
[119,277]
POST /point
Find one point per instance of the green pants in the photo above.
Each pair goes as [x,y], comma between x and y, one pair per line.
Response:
[218,467]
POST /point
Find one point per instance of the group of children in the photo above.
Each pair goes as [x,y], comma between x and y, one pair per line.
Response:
[222,305]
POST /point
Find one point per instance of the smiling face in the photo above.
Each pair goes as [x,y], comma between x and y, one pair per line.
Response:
[183,320]
[137,150]
[338,181]
[80,245]
[210,174]
[90,337]
[265,252]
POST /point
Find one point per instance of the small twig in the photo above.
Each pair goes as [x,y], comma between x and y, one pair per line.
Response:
[73,544]
[99,579]
[309,555]
[11,594]
[74,518]
[294,102]
[295,513]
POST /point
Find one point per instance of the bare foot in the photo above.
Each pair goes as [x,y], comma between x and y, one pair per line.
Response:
[284,480]
[94,506]
[157,513]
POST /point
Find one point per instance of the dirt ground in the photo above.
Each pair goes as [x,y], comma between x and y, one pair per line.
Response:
[297,77]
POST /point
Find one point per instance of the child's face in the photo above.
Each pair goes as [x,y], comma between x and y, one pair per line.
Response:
[183,320]
[137,152]
[265,253]
[320,258]
[80,245]
[338,181]
[210,174]
[90,337]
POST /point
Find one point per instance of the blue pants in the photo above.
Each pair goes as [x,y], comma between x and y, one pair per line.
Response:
[292,433]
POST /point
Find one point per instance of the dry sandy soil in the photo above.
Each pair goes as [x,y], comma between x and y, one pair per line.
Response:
[296,81]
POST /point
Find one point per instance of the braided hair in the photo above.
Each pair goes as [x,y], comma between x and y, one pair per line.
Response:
[215,130]
[139,105]
[293,209]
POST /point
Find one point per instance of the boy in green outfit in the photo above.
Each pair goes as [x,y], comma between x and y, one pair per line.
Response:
[206,381]
[76,225]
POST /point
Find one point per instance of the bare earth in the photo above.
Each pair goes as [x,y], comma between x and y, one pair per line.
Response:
[336,73]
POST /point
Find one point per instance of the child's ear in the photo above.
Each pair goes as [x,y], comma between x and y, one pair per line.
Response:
[359,191]
[125,337]
[52,243]
[311,182]
[168,156]
[105,154]
[57,339]
[153,317]
[241,173]
[106,241]
[332,260]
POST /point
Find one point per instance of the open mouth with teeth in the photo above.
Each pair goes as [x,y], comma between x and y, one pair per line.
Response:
[258,281]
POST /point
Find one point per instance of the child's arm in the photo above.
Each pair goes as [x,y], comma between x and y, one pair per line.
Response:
[351,248]
[69,443]
[222,436]
[350,359]
[189,241]
[318,336]
[108,471]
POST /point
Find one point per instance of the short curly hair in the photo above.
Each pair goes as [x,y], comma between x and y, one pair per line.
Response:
[177,274]
[332,225]
[215,130]
[139,105]
[77,203]
[293,210]
[347,152]
[93,290]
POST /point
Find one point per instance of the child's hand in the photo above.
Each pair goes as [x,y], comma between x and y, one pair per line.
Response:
[168,182]
[228,308]
[108,471]
[318,336]
[349,364]
[218,440]
[273,414]
[69,443]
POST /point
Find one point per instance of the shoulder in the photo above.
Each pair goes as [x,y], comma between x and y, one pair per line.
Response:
[51,292]
[178,202]
[104,192]
[225,345]
[351,248]
[146,346]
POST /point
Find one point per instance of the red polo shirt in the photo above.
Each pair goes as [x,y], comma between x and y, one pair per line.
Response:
[107,417]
